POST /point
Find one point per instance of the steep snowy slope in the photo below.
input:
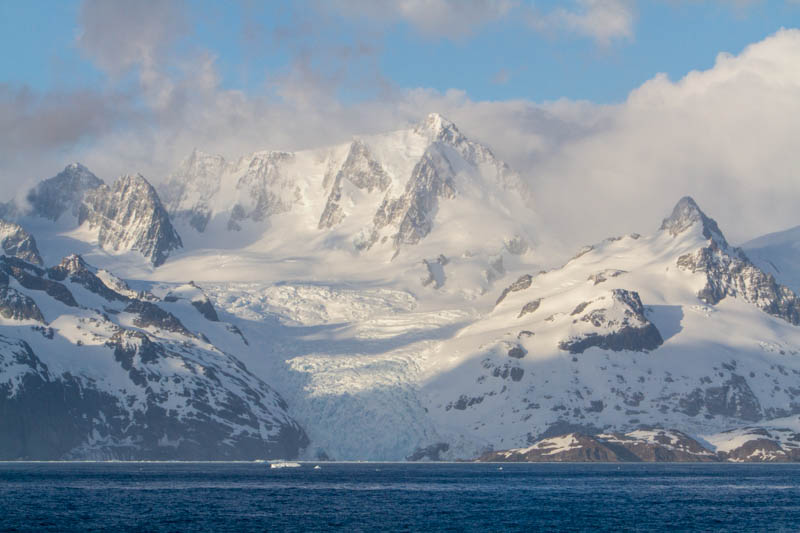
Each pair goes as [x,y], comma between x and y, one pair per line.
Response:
[676,330]
[90,369]
[779,254]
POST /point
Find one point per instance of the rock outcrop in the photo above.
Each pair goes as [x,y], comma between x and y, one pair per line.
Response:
[16,242]
[729,272]
[359,169]
[636,446]
[615,321]
[129,216]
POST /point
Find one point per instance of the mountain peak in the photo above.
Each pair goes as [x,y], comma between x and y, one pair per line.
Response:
[62,193]
[685,215]
[438,128]
[130,216]
[76,166]
[73,263]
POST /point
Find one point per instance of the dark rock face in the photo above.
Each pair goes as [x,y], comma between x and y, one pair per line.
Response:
[431,179]
[605,275]
[39,422]
[151,315]
[436,275]
[75,268]
[413,212]
[664,446]
[16,306]
[129,216]
[627,338]
[733,399]
[530,307]
[63,193]
[32,277]
[517,352]
[429,453]
[758,450]
[206,308]
[520,285]
[637,446]
[360,169]
[16,242]
[730,273]
[463,402]
[629,328]
[762,445]
[574,447]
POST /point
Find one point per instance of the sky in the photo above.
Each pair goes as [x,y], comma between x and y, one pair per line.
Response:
[611,109]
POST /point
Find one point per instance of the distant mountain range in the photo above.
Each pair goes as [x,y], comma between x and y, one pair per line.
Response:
[382,300]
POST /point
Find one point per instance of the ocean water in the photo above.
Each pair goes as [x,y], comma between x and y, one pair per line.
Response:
[398,497]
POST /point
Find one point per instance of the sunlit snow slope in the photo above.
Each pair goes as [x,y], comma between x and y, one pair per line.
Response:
[377,300]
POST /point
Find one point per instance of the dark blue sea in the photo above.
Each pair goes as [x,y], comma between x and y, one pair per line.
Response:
[398,497]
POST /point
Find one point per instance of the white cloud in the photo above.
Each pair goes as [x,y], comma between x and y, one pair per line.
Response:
[433,18]
[601,20]
[726,136]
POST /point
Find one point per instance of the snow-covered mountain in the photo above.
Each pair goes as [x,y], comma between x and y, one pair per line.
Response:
[398,208]
[63,193]
[16,242]
[381,299]
[129,216]
[76,209]
[390,186]
[676,329]
[92,369]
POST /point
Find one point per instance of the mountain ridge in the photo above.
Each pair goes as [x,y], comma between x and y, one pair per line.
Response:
[379,299]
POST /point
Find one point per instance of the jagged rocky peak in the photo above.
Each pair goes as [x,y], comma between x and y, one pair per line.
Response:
[431,179]
[362,170]
[18,243]
[80,272]
[438,128]
[129,216]
[685,215]
[728,270]
[187,192]
[62,193]
[70,265]
[412,213]
[264,188]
